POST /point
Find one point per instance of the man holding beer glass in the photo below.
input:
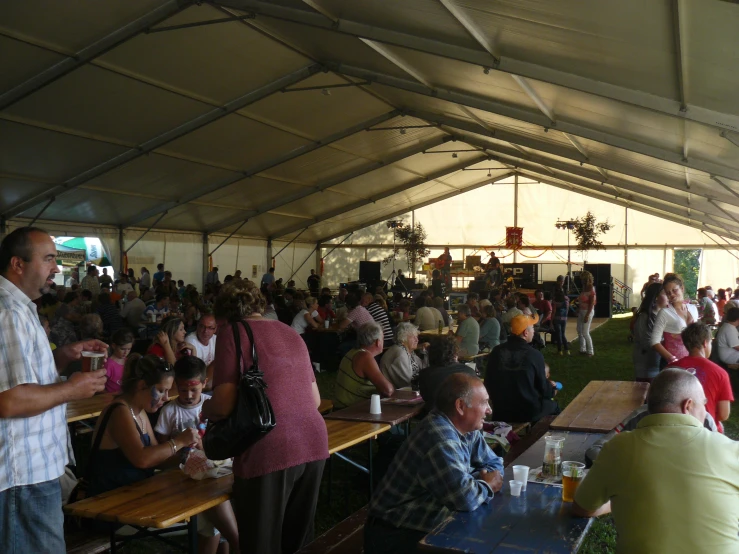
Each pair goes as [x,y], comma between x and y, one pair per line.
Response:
[33,427]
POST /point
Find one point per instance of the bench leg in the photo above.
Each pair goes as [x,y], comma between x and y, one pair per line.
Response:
[192,535]
[113,545]
[370,470]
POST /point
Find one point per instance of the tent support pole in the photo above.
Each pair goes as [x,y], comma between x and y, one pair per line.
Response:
[721,245]
[228,237]
[120,249]
[49,203]
[142,235]
[3,227]
[206,265]
[318,258]
[289,243]
[515,210]
[626,249]
[270,259]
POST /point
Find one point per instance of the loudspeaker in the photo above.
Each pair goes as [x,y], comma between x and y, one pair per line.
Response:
[369,271]
[476,286]
[603,288]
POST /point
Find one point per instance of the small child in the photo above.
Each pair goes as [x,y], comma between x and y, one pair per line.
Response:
[190,377]
[121,344]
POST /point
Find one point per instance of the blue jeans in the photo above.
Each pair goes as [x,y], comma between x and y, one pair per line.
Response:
[31,519]
[560,339]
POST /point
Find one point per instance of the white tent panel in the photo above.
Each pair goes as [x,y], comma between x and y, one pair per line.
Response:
[13,191]
[288,262]
[629,50]
[712,77]
[250,193]
[719,269]
[74,24]
[315,166]
[196,216]
[181,253]
[315,113]
[64,156]
[410,16]
[206,61]
[310,207]
[21,61]
[376,144]
[162,176]
[230,141]
[423,164]
[391,175]
[101,103]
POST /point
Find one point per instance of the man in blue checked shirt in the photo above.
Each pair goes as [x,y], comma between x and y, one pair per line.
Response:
[444,466]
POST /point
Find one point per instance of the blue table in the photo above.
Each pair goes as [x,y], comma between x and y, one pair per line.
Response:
[536,522]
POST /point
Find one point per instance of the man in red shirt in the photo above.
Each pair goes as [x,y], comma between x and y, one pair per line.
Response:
[715,381]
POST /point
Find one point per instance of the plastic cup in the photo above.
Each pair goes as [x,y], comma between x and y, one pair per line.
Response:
[92,361]
[521,473]
[515,487]
[572,474]
[326,323]
[375,404]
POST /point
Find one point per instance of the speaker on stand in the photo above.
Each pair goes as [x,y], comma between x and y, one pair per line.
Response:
[603,288]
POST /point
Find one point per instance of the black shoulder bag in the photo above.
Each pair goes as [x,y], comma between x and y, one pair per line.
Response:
[251,418]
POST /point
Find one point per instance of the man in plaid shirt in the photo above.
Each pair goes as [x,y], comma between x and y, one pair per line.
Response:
[444,466]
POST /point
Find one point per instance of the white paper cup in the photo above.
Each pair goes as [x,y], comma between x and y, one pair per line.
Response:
[521,473]
[515,487]
[375,404]
[326,323]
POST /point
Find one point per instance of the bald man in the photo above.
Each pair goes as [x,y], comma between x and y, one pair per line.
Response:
[672,484]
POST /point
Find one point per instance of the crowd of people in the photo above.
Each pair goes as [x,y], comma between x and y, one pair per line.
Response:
[162,338]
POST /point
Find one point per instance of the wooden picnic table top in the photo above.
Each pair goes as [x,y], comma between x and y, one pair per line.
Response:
[537,521]
[342,433]
[392,414]
[444,331]
[88,408]
[160,501]
[601,405]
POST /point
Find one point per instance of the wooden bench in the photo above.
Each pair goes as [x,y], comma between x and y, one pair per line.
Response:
[346,537]
[86,542]
[535,433]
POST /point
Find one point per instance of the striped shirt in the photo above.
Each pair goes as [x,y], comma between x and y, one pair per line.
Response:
[32,449]
[380,316]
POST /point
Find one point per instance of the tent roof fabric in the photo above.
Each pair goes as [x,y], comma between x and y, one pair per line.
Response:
[313,118]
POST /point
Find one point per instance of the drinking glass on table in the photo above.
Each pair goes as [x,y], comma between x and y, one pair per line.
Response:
[572,474]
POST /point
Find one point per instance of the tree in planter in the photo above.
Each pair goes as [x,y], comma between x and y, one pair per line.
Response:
[587,230]
[412,240]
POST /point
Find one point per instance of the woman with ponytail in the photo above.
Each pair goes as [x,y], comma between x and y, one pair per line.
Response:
[169,343]
[669,324]
[125,449]
[646,359]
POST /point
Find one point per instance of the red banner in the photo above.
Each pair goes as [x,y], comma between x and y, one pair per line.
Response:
[513,237]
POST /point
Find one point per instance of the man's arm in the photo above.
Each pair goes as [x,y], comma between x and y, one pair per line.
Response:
[482,456]
[579,511]
[29,400]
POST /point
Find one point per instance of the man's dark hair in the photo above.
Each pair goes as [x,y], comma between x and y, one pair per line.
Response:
[731,315]
[271,270]
[161,296]
[160,266]
[87,294]
[457,385]
[92,269]
[436,274]
[190,367]
[17,244]
[324,299]
[443,351]
[473,296]
[420,302]
[351,301]
[181,283]
[695,335]
[104,299]
[71,296]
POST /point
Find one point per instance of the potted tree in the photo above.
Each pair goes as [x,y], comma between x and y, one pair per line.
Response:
[587,230]
[411,239]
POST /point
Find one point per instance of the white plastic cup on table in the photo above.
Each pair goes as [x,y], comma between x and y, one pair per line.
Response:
[521,473]
[92,361]
[515,487]
[375,407]
[326,323]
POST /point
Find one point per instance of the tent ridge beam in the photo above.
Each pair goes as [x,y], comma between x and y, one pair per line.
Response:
[332,182]
[505,64]
[520,114]
[256,169]
[373,199]
[167,137]
[418,206]
[94,50]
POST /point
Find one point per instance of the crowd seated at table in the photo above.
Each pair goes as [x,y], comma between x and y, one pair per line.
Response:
[443,466]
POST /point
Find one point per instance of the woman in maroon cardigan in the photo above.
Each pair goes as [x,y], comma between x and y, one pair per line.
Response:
[277,479]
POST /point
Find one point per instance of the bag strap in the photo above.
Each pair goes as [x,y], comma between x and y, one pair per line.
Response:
[99,439]
[240,354]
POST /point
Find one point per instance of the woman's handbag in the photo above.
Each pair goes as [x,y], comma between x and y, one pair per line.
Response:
[251,418]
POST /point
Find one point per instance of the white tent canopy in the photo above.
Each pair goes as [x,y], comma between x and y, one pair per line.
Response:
[284,119]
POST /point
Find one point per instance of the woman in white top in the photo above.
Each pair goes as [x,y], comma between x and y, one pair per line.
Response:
[307,317]
[671,321]
[399,363]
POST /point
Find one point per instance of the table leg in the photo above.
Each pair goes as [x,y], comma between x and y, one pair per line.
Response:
[112,539]
[371,472]
[192,534]
[330,478]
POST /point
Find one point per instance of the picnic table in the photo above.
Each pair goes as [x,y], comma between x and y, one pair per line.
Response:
[392,414]
[444,331]
[88,408]
[601,405]
[536,522]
